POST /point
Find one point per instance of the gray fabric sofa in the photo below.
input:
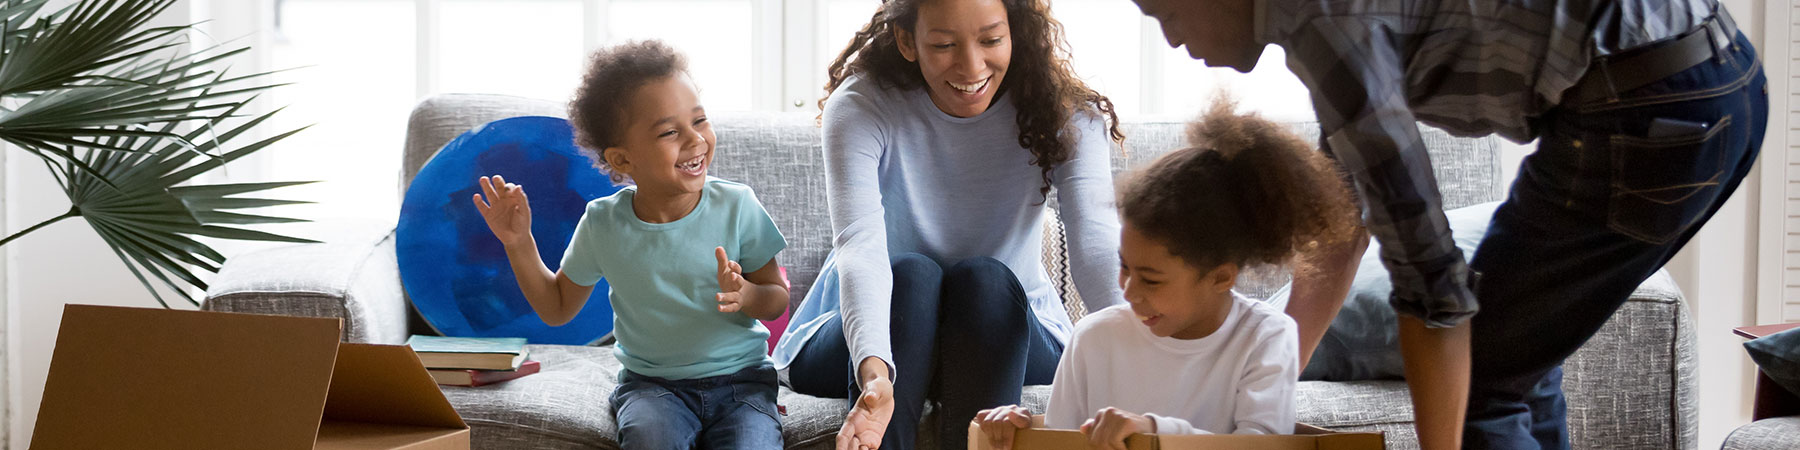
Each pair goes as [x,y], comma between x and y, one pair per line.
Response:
[1631,387]
[1775,433]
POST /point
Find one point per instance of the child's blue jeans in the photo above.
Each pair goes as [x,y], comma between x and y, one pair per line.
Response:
[1615,189]
[735,411]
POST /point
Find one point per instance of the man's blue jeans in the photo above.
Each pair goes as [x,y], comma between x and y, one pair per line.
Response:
[1616,187]
[735,411]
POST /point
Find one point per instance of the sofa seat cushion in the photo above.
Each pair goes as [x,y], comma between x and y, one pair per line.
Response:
[563,406]
[566,406]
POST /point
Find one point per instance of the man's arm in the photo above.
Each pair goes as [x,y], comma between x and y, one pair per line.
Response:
[1358,89]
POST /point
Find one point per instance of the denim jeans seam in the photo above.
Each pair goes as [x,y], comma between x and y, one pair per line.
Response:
[746,400]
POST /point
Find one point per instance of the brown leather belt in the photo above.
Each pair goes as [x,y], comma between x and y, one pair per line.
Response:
[1610,75]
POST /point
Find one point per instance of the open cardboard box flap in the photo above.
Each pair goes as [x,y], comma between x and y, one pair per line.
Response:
[163,379]
[1306,437]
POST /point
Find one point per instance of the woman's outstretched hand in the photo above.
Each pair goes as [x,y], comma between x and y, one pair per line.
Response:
[868,420]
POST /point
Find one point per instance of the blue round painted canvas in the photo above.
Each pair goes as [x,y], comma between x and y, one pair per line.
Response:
[456,272]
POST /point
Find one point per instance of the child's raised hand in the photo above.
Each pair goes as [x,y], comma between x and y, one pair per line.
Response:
[506,210]
[731,283]
[999,424]
[1109,428]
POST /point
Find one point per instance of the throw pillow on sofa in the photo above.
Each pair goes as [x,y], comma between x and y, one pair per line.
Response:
[1363,342]
[453,269]
[1778,356]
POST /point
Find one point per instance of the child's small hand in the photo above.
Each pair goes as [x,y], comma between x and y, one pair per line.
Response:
[506,210]
[999,424]
[731,283]
[1109,428]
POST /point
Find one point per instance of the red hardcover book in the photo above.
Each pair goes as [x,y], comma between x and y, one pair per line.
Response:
[472,378]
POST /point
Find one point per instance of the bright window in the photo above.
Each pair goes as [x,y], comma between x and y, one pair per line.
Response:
[365,63]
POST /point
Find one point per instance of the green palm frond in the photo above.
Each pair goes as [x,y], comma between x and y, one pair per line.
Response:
[146,218]
[123,117]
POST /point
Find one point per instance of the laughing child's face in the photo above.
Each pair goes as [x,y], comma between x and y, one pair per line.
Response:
[667,141]
[1169,295]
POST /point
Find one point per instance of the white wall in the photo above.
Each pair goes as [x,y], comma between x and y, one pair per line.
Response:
[8,388]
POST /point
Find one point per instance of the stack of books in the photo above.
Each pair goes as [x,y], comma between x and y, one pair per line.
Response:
[463,361]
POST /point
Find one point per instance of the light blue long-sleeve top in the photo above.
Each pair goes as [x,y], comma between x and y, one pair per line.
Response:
[905,177]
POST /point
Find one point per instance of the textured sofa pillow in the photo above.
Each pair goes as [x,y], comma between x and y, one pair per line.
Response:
[455,272]
[1778,355]
[1056,264]
[1363,342]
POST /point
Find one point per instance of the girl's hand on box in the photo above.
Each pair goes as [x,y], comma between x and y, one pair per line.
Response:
[1109,428]
[999,424]
[506,210]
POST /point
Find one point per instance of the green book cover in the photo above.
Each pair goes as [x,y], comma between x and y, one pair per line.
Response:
[438,344]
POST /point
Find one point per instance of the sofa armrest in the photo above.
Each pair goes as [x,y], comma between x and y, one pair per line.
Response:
[1633,384]
[351,275]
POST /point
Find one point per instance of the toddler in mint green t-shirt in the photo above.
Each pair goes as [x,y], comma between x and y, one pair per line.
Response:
[690,260]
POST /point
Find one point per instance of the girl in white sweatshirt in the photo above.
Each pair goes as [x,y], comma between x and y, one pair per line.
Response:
[1186,355]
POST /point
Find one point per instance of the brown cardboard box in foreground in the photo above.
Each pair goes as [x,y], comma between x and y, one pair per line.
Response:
[162,379]
[1306,437]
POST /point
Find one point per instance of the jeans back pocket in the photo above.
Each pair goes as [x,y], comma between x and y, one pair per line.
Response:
[1662,186]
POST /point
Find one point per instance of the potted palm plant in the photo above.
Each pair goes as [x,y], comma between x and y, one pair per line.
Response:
[123,114]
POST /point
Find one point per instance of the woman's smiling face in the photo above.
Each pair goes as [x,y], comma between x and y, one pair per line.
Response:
[963,48]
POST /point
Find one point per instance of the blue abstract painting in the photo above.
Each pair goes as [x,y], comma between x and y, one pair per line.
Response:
[455,271]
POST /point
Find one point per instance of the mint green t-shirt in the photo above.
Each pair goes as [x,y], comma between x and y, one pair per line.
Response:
[664,280]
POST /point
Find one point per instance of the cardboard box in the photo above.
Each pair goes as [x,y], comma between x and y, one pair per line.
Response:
[1305,437]
[162,379]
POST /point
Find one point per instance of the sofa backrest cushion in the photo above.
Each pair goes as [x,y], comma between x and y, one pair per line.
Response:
[778,155]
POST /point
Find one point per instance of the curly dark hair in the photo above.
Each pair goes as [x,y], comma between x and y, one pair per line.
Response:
[614,75]
[1043,85]
[1247,192]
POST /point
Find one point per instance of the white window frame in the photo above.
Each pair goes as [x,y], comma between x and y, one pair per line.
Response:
[1780,177]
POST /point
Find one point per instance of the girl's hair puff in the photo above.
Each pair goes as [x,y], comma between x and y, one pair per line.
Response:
[1247,192]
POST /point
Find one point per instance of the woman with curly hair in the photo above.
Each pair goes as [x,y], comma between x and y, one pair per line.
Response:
[948,124]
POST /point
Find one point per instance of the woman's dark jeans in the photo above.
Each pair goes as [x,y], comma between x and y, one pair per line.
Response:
[965,338]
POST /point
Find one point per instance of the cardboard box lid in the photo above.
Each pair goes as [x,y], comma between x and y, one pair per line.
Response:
[386,384]
[162,379]
[337,435]
[1307,438]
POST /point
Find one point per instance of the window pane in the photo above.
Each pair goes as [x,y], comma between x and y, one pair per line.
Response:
[714,34]
[843,18]
[525,48]
[356,89]
[1271,89]
[1103,43]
